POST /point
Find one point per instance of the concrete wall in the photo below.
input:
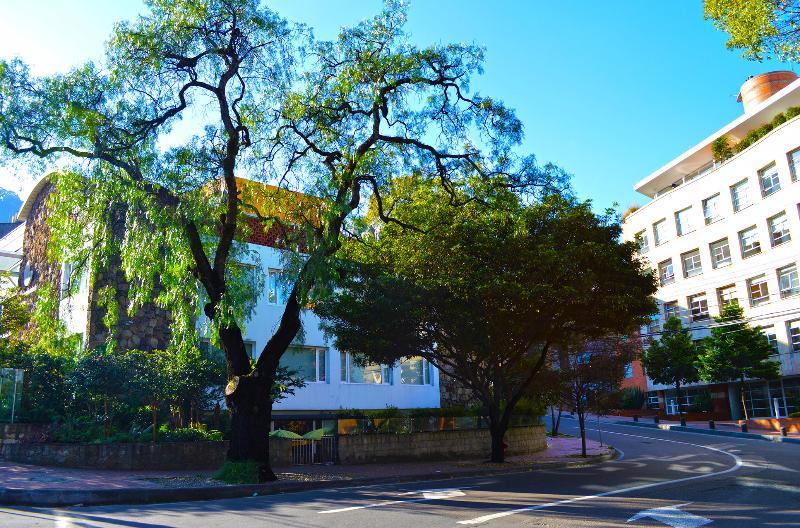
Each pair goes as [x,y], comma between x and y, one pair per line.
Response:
[18,433]
[135,456]
[368,448]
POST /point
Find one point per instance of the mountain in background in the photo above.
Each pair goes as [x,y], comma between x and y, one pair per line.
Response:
[9,205]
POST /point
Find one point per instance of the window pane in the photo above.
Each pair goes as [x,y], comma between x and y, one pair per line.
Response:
[720,253]
[698,307]
[323,365]
[749,242]
[412,371]
[727,295]
[759,290]
[665,272]
[779,229]
[670,309]
[641,239]
[739,196]
[691,264]
[789,281]
[343,366]
[770,183]
[683,221]
[794,163]
[711,211]
[794,335]
[301,360]
[660,232]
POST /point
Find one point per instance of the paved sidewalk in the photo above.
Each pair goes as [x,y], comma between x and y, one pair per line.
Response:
[728,425]
[22,476]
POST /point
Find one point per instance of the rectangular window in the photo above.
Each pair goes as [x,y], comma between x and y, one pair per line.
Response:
[415,371]
[720,253]
[726,296]
[206,346]
[372,374]
[769,331]
[683,221]
[794,335]
[307,363]
[276,287]
[739,196]
[779,229]
[788,281]
[641,240]
[711,211]
[759,290]
[691,263]
[660,232]
[770,182]
[749,243]
[794,163]
[670,310]
[698,307]
[666,275]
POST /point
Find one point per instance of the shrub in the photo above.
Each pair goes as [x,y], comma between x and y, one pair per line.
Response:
[721,149]
[632,398]
[188,434]
[792,112]
[245,472]
[794,414]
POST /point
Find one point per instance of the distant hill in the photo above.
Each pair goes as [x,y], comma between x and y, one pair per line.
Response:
[9,205]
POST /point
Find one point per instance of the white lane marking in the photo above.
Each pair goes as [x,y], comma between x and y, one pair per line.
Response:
[63,522]
[737,465]
[430,494]
[672,516]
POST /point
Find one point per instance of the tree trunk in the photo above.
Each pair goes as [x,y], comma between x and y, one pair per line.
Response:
[247,398]
[582,423]
[498,433]
[154,410]
[678,396]
[555,423]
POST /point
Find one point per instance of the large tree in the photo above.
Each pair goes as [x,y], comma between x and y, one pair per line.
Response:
[760,28]
[736,351]
[367,107]
[672,359]
[485,291]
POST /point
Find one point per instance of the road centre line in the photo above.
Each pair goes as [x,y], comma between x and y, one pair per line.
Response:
[736,466]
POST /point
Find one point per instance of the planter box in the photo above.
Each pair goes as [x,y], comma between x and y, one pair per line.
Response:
[792,425]
[135,456]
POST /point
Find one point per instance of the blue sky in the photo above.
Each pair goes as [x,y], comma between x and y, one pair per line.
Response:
[608,90]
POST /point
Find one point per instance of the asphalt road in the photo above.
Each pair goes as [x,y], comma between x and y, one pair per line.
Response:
[663,479]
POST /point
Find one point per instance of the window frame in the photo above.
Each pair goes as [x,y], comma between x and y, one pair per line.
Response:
[770,170]
[794,338]
[683,224]
[709,219]
[317,363]
[737,204]
[702,314]
[387,374]
[715,264]
[721,299]
[696,261]
[794,164]
[671,309]
[793,291]
[656,240]
[642,241]
[427,374]
[661,280]
[756,246]
[786,235]
[758,280]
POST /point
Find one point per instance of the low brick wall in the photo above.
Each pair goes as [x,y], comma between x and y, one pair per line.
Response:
[135,456]
[441,445]
[23,433]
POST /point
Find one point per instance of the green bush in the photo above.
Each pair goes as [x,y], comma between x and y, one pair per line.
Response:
[721,149]
[188,434]
[238,472]
[632,398]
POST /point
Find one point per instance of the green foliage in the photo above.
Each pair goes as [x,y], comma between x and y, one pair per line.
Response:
[794,415]
[763,130]
[721,149]
[632,398]
[239,472]
[702,403]
[736,351]
[188,434]
[672,359]
[762,29]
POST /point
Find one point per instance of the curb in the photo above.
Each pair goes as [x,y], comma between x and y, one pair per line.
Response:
[64,497]
[713,432]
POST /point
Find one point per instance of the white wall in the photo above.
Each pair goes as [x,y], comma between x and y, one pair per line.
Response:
[777,312]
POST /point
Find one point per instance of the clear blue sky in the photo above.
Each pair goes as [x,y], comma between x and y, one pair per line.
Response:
[608,90]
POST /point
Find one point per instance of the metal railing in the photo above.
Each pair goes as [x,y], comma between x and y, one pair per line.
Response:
[324,451]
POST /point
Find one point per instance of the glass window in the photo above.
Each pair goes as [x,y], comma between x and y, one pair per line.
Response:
[788,281]
[711,211]
[670,309]
[759,290]
[769,331]
[628,370]
[727,295]
[415,371]
[373,374]
[720,253]
[770,183]
[794,163]
[794,335]
[666,275]
[641,239]
[698,307]
[683,221]
[779,229]
[276,284]
[748,239]
[740,196]
[691,263]
[307,363]
[660,232]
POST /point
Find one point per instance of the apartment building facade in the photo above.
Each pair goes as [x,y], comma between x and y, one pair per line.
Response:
[333,381]
[721,232]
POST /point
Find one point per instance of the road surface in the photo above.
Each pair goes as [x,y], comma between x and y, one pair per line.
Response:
[664,478]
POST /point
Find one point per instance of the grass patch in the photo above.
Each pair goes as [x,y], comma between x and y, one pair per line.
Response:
[238,472]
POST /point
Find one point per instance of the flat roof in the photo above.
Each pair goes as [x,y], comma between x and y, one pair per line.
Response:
[700,155]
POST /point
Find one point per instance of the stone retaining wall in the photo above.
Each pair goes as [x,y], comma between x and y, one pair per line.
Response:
[368,448]
[135,456]
[17,433]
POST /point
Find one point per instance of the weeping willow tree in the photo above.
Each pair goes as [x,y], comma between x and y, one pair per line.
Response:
[325,123]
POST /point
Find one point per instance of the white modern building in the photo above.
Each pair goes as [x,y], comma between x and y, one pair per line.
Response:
[719,232]
[333,381]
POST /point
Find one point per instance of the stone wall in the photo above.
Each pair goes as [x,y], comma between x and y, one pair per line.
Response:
[453,393]
[135,456]
[368,448]
[23,433]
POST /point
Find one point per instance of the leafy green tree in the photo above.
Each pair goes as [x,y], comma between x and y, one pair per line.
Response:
[368,106]
[485,290]
[736,351]
[762,29]
[672,359]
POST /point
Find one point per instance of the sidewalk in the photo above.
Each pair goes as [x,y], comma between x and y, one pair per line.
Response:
[36,485]
[727,425]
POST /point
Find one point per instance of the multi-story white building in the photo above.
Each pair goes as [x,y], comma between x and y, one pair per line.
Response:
[333,380]
[719,232]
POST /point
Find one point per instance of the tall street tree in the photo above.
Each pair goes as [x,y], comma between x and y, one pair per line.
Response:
[365,108]
[672,358]
[762,29]
[736,351]
[486,290]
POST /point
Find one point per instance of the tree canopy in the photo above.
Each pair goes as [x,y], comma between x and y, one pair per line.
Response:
[762,29]
[672,358]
